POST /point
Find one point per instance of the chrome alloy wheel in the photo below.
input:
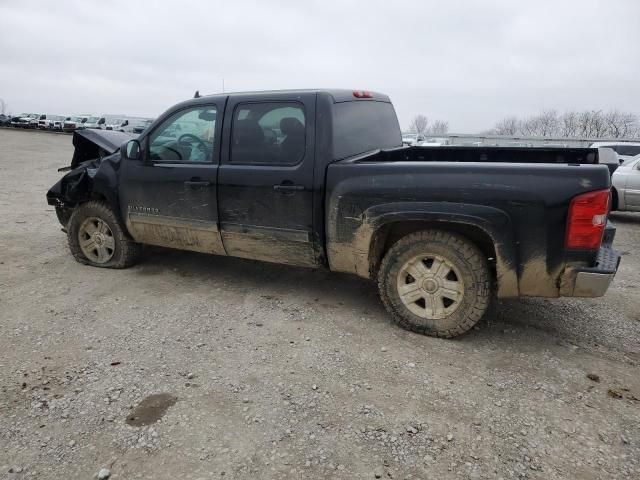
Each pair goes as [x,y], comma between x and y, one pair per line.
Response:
[96,240]
[430,286]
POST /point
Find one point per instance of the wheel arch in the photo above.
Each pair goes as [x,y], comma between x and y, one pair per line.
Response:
[488,228]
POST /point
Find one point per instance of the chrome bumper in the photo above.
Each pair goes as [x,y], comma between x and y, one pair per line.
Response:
[591,281]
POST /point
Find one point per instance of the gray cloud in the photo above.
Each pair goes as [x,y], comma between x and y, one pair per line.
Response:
[467,62]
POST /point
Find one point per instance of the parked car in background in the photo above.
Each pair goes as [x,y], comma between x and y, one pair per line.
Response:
[5,120]
[117,124]
[626,186]
[51,122]
[25,120]
[412,138]
[434,142]
[96,122]
[625,150]
[34,122]
[141,126]
[43,121]
[74,123]
[18,120]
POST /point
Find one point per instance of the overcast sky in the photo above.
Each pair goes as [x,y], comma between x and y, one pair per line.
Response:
[468,62]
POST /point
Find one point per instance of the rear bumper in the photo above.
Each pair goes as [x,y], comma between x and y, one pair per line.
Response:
[593,281]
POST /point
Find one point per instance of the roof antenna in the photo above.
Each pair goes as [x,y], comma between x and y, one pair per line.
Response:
[197,95]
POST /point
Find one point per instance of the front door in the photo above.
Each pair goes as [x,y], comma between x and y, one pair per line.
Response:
[266,179]
[169,197]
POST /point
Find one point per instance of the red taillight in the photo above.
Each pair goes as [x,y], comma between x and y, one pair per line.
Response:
[362,94]
[587,219]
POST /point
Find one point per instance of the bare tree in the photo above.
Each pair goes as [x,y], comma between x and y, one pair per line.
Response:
[548,123]
[629,125]
[569,124]
[507,126]
[439,127]
[530,127]
[419,124]
[3,106]
[592,124]
[620,124]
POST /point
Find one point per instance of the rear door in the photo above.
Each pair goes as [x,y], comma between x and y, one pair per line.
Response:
[169,197]
[265,181]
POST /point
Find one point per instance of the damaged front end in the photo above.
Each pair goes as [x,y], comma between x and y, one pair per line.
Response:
[92,173]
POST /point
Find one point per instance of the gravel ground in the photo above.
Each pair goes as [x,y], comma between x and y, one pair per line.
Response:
[190,366]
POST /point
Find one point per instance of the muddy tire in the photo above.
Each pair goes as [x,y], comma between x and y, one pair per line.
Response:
[436,283]
[97,238]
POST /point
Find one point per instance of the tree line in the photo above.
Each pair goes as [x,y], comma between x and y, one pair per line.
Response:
[585,124]
[550,123]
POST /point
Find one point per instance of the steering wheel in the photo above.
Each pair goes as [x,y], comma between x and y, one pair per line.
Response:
[191,137]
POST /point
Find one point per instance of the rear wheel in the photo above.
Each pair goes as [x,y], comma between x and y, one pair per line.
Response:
[435,282]
[97,238]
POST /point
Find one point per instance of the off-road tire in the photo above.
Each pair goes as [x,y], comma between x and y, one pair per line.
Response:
[461,253]
[126,252]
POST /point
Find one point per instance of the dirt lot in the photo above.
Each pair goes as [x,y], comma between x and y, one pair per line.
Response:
[276,372]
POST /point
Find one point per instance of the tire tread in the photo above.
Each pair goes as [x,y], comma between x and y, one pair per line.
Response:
[460,245]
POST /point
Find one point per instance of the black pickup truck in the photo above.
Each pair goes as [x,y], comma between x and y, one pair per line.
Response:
[319,178]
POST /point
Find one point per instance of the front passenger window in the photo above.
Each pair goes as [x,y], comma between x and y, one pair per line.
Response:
[186,136]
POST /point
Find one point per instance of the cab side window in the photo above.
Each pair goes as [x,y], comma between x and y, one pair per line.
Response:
[268,133]
[186,136]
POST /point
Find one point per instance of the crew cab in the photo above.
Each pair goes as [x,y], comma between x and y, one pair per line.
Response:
[319,178]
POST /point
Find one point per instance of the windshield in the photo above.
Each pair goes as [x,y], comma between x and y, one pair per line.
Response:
[93,119]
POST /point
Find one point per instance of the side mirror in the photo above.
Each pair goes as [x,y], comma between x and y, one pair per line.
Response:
[131,150]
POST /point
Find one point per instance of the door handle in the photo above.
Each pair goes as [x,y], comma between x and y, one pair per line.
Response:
[197,183]
[288,188]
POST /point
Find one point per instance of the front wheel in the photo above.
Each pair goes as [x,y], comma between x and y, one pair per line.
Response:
[435,282]
[97,238]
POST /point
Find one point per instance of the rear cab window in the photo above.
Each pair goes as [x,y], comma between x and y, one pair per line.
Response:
[364,125]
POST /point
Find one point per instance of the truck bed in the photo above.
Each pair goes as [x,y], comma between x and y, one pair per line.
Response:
[516,200]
